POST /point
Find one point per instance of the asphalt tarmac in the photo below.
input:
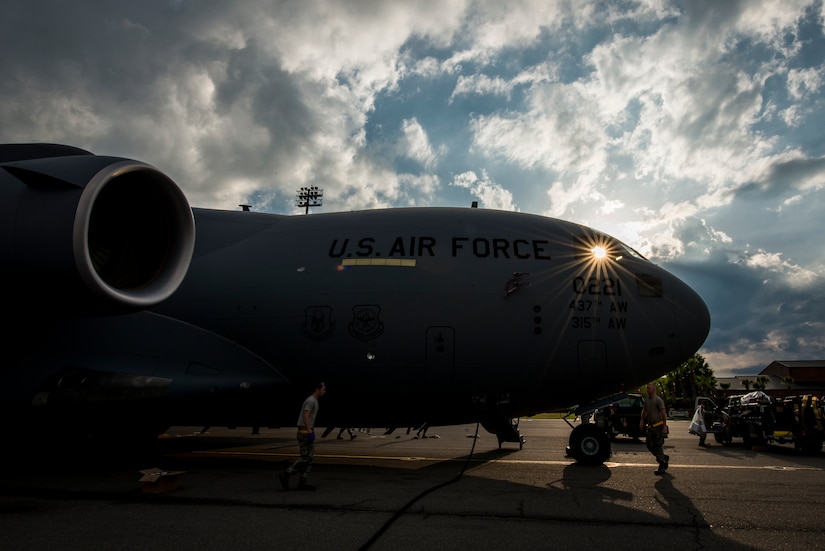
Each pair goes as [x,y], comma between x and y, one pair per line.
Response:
[395,492]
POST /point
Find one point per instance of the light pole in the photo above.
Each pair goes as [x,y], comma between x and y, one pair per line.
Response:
[309,197]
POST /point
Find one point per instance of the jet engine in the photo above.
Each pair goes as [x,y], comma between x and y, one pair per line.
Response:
[89,232]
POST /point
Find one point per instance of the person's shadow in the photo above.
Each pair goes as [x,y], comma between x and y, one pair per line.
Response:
[588,480]
[678,506]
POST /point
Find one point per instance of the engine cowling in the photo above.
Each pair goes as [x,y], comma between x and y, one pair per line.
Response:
[99,232]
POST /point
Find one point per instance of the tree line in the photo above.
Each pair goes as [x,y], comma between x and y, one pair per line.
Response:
[695,377]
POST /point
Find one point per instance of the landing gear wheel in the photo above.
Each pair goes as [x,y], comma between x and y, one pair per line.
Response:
[589,445]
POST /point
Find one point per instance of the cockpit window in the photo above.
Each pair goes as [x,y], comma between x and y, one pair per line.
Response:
[593,247]
[597,246]
[630,251]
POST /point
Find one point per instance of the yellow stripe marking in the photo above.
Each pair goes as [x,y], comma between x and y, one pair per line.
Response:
[395,262]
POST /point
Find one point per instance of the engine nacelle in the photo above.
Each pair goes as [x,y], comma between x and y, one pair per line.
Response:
[80,229]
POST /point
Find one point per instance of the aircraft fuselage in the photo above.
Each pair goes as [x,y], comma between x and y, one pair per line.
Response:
[443,304]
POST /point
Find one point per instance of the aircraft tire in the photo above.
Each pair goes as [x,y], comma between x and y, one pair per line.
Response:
[589,445]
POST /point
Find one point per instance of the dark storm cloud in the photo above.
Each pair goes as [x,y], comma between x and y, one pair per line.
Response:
[785,176]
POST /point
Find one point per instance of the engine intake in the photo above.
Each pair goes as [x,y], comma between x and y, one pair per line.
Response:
[118,231]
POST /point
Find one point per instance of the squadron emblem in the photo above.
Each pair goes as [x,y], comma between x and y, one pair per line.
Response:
[366,323]
[318,324]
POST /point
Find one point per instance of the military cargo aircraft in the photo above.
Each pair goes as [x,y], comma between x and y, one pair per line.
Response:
[129,310]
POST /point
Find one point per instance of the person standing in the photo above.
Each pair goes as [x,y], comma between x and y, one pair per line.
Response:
[697,425]
[655,416]
[306,441]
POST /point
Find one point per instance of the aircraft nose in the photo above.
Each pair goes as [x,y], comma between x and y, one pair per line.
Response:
[693,319]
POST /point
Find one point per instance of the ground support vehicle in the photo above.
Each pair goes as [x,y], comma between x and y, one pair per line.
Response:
[621,417]
[759,419]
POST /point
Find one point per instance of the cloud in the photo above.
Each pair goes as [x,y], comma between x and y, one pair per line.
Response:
[790,172]
[557,132]
[755,320]
[691,131]
[491,194]
[802,82]
[415,144]
[795,276]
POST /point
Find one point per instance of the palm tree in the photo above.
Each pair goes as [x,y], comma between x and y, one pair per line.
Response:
[747,383]
[691,377]
[788,382]
[761,382]
[705,384]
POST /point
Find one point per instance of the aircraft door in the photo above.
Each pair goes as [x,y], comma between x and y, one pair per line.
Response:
[440,355]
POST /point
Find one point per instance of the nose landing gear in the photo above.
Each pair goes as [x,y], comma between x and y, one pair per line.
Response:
[589,445]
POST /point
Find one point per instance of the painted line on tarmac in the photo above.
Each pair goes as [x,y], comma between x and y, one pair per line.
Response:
[325,456]
[616,465]
[609,464]
[731,467]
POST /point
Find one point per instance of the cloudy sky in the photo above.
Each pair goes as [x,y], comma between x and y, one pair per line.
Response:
[693,131]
